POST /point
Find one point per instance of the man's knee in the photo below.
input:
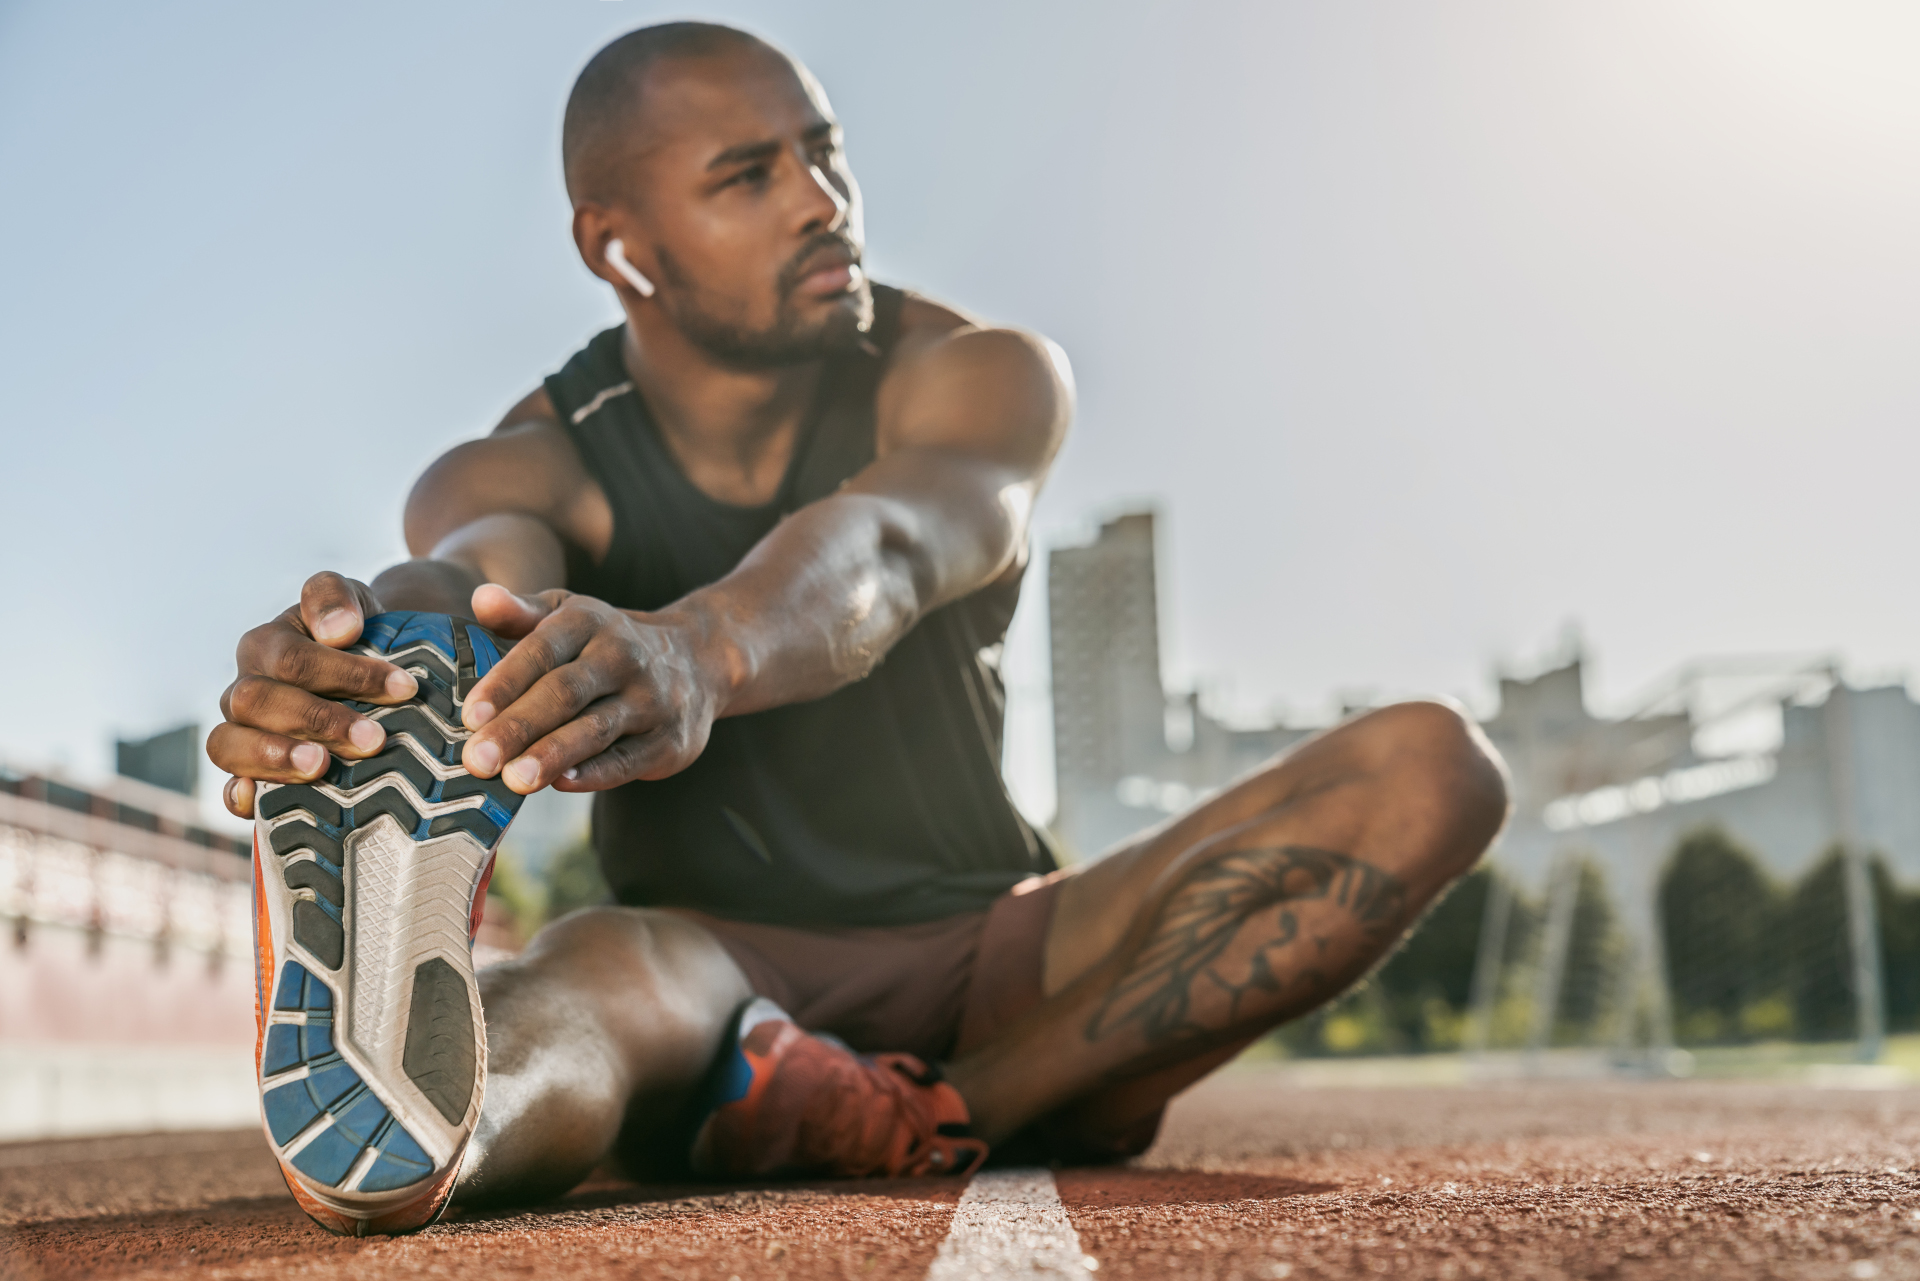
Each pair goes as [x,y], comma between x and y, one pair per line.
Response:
[630,974]
[631,947]
[1431,752]
[590,937]
[588,954]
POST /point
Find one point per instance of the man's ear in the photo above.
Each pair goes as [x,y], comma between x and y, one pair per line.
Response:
[604,252]
[617,259]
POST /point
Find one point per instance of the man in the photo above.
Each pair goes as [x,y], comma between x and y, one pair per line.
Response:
[752,548]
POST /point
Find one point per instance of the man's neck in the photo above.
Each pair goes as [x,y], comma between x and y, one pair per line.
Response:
[732,431]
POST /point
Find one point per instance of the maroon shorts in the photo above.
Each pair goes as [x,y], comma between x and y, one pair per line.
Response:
[935,990]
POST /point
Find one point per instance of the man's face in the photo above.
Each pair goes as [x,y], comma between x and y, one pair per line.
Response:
[744,195]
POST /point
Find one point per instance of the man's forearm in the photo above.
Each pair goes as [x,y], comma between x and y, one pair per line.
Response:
[517,551]
[431,586]
[817,604]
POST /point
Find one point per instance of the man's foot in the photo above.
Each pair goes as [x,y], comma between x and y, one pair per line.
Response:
[368,887]
[787,1102]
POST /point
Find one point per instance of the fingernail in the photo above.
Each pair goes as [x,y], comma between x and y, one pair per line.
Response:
[401,684]
[523,774]
[366,735]
[477,714]
[483,758]
[334,624]
[309,757]
[572,774]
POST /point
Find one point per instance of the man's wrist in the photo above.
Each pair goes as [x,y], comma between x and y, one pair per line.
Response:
[723,662]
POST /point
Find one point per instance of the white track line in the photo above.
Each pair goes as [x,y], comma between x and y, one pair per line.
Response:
[1010,1224]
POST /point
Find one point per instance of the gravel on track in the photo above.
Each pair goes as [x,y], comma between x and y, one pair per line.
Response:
[1255,1177]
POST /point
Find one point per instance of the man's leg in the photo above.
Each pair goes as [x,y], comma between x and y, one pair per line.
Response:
[1249,910]
[610,1018]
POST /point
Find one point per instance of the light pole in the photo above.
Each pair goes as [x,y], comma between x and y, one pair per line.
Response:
[1863,928]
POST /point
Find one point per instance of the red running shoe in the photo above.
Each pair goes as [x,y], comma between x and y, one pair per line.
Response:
[790,1103]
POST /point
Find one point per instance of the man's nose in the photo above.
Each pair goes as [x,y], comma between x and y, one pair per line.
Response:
[827,208]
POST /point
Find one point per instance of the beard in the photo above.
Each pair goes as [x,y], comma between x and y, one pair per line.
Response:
[789,340]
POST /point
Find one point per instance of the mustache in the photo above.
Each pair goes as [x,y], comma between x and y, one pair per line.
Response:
[803,262]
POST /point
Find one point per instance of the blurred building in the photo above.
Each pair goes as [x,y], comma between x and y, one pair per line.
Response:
[1126,754]
[1846,767]
[126,982]
[170,760]
[126,971]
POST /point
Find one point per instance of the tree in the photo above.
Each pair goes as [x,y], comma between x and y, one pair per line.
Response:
[1719,916]
[1588,980]
[1820,953]
[1432,972]
[1899,915]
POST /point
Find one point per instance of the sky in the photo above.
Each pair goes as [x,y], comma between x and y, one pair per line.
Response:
[1432,332]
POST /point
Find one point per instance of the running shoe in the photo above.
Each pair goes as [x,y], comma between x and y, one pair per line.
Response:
[787,1102]
[368,889]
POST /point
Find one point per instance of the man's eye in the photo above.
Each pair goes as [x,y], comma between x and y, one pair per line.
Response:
[753,175]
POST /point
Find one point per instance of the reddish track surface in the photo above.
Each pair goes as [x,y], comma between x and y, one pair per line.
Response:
[1254,1178]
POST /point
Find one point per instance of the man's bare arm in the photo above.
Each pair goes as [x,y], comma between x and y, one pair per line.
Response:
[965,444]
[594,697]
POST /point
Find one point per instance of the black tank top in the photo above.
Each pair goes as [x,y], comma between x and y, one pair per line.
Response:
[880,804]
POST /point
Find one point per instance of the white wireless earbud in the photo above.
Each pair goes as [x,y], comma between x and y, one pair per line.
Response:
[617,259]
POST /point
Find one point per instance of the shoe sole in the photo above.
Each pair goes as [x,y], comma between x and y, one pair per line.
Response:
[369,886]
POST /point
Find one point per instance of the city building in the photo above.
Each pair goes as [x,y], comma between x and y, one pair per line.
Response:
[126,975]
[126,955]
[1127,753]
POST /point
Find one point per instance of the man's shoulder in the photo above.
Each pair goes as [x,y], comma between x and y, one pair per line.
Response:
[932,331]
[924,319]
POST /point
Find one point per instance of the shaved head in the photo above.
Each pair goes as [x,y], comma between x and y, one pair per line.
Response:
[604,120]
[715,161]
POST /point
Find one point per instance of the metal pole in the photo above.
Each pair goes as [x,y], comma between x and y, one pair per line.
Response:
[1564,890]
[1862,924]
[1488,963]
[1659,993]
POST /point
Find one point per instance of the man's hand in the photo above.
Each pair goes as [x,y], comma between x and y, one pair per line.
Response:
[589,696]
[283,723]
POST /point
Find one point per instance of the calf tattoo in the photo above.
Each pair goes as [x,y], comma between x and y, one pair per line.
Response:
[1208,966]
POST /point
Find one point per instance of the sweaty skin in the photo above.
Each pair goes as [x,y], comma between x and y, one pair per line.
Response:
[734,197]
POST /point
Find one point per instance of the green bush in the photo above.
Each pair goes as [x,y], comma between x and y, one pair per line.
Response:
[574,881]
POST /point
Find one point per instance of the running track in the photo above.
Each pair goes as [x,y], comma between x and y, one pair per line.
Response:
[1256,1176]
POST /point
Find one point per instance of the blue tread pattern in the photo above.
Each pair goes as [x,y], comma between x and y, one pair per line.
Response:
[341,1124]
[356,1120]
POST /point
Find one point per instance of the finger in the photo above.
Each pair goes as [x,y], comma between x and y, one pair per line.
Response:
[278,708]
[556,699]
[237,796]
[252,753]
[502,612]
[556,641]
[655,754]
[281,651]
[596,728]
[334,608]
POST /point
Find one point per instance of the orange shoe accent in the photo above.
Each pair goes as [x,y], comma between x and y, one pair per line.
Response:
[477,910]
[262,957]
[815,1108]
[421,1212]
